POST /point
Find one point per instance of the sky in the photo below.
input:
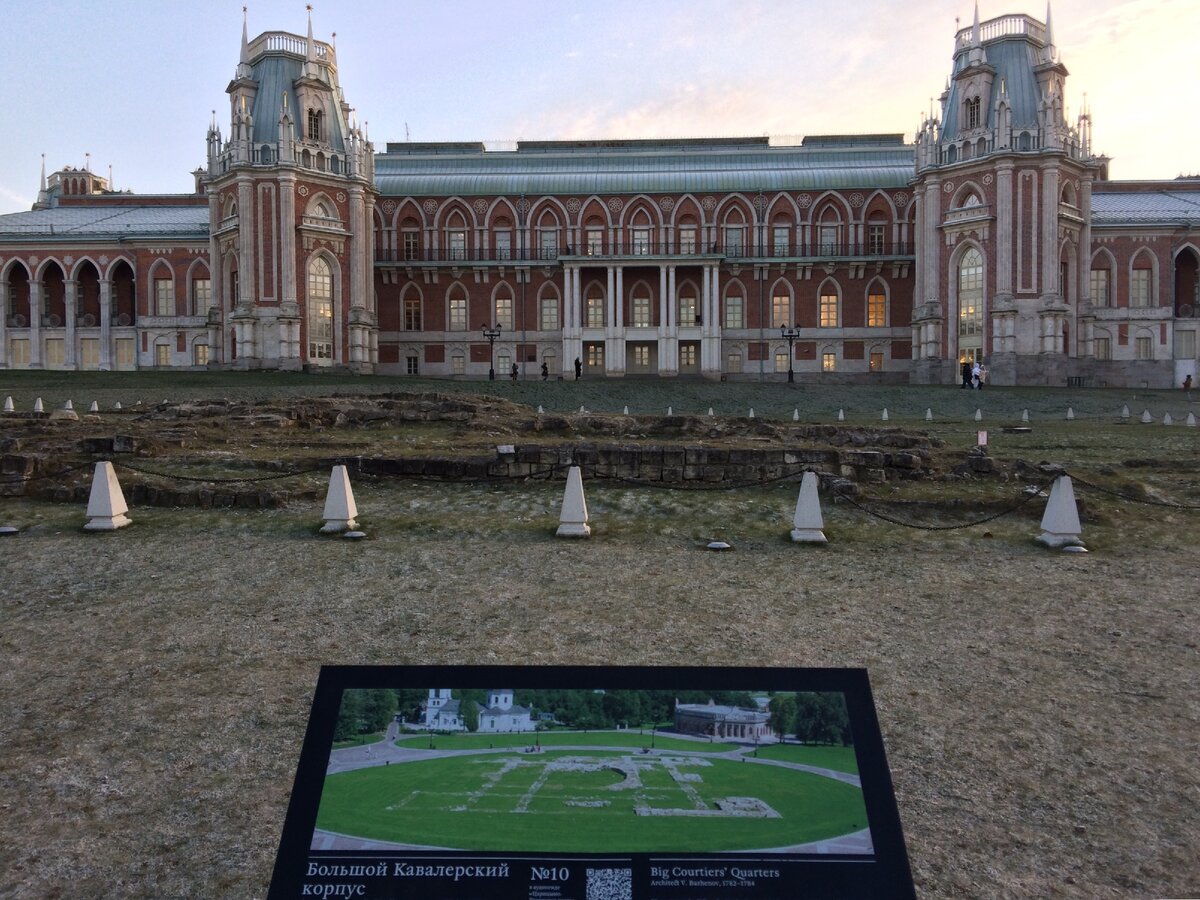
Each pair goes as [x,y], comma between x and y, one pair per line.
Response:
[134,82]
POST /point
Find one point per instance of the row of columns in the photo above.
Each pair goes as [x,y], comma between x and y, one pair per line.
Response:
[69,328]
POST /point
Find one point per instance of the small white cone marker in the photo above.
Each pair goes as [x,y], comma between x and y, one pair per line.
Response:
[710,412]
[1060,523]
[1167,420]
[841,415]
[796,414]
[1191,420]
[582,411]
[1024,415]
[928,414]
[670,411]
[979,415]
[117,405]
[1124,412]
[1070,414]
[37,405]
[339,503]
[752,412]
[1146,417]
[69,405]
[541,412]
[8,405]
[625,411]
[884,417]
[807,522]
[95,407]
[573,521]
[106,504]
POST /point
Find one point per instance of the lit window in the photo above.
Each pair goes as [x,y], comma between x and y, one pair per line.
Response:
[970,296]
[687,355]
[641,356]
[734,311]
[781,310]
[320,311]
[458,364]
[595,310]
[687,309]
[829,310]
[687,239]
[456,242]
[503,245]
[201,296]
[1144,348]
[549,243]
[735,240]
[875,239]
[876,309]
[595,241]
[412,244]
[828,362]
[780,235]
[164,297]
[1099,287]
[549,319]
[641,311]
[504,312]
[781,361]
[1139,290]
[1102,348]
[641,242]
[411,366]
[595,356]
[1185,345]
[162,355]
[199,354]
[412,313]
[733,363]
[875,363]
[458,310]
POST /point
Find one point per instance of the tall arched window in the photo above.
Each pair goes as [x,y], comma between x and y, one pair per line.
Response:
[320,313]
[970,307]
[314,125]
[595,307]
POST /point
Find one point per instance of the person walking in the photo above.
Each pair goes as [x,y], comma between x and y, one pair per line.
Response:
[545,372]
[983,375]
[966,374]
[975,373]
[513,374]
[578,368]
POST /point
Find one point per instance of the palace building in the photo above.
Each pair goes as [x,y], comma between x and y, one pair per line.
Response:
[993,234]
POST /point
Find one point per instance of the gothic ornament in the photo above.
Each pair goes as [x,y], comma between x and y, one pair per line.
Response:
[616,204]
[481,207]
[857,200]
[804,201]
[430,207]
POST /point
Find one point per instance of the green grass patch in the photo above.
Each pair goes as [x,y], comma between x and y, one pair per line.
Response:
[840,759]
[516,803]
[359,741]
[561,739]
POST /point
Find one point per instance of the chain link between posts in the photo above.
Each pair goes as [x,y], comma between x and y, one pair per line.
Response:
[1146,501]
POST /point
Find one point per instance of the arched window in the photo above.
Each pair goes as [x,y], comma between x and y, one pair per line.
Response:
[548,317]
[829,232]
[970,306]
[641,315]
[876,306]
[314,124]
[456,300]
[320,312]
[974,119]
[504,307]
[595,307]
[781,307]
[735,308]
[827,307]
[687,306]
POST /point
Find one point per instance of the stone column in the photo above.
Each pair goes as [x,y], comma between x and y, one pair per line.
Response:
[35,324]
[106,360]
[3,324]
[70,311]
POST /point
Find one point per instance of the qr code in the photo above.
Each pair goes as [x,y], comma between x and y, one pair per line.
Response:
[610,884]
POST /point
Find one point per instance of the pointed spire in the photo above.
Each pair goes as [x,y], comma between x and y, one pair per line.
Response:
[975,27]
[312,47]
[43,181]
[1051,52]
[244,58]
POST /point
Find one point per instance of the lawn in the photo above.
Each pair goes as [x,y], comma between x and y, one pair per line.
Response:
[561,739]
[840,759]
[520,804]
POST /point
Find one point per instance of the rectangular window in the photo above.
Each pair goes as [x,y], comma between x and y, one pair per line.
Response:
[641,356]
[734,311]
[411,244]
[503,243]
[687,310]
[641,242]
[458,364]
[828,362]
[164,297]
[1185,345]
[412,313]
[829,311]
[595,356]
[456,243]
[687,355]
[733,363]
[595,242]
[201,296]
[781,361]
[781,310]
[1099,286]
[780,235]
[687,240]
[875,240]
[125,353]
[595,312]
[549,320]
[641,312]
[504,313]
[735,241]
[1139,290]
[89,353]
[876,310]
[411,366]
[55,353]
[199,354]
[827,236]
[1144,348]
[1102,348]
[875,363]
[458,314]
[549,243]
[162,355]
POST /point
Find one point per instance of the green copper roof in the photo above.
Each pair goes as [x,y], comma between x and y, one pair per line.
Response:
[633,167]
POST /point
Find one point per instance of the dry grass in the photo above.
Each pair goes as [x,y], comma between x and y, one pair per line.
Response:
[1039,709]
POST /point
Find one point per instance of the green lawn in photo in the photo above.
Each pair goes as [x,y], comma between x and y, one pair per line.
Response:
[840,759]
[509,802]
[479,741]
[359,740]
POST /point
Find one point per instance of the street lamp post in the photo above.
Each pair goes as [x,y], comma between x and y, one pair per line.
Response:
[490,334]
[790,335]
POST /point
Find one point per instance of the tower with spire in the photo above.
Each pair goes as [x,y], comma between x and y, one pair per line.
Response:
[291,208]
[1003,186]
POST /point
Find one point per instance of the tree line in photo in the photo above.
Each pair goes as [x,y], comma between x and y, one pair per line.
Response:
[810,717]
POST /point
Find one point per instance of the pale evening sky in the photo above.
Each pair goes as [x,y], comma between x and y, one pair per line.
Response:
[133,81]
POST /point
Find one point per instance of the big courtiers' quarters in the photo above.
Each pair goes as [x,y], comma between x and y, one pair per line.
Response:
[995,235]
